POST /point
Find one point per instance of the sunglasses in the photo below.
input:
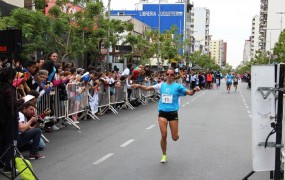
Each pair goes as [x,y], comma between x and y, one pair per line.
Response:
[167,74]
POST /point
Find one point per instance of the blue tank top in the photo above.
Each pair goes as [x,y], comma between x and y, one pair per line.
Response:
[169,96]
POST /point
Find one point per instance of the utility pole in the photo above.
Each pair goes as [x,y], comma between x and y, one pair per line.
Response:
[158,53]
[108,34]
[281,13]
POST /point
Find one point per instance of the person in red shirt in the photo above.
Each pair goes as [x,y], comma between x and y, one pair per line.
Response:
[209,79]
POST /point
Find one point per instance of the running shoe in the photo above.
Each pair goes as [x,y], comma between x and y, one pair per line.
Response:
[36,156]
[163,159]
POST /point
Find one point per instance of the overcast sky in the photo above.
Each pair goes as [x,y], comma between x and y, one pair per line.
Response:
[230,20]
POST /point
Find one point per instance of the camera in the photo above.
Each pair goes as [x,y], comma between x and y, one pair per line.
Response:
[40,120]
[47,111]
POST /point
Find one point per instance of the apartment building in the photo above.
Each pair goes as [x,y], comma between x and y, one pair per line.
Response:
[272,22]
[247,51]
[218,51]
[254,38]
[201,29]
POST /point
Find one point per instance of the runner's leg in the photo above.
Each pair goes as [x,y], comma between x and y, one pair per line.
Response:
[163,129]
[174,129]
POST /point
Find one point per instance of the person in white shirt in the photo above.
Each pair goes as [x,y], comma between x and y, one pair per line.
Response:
[127,71]
[28,130]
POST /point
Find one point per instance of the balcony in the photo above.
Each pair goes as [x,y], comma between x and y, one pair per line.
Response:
[261,38]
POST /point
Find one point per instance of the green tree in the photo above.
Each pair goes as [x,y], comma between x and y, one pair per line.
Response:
[204,61]
[279,48]
[59,31]
[171,43]
[33,25]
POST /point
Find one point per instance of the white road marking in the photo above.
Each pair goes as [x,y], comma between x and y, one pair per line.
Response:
[150,127]
[248,112]
[127,143]
[185,104]
[103,158]
[202,94]
[246,107]
[249,116]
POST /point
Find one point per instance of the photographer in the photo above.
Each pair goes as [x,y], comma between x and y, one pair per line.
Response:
[28,130]
[8,116]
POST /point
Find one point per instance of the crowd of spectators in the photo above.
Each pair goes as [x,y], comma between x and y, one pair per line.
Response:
[37,78]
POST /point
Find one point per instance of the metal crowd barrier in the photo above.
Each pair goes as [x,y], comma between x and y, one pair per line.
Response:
[105,99]
[119,95]
[128,95]
[51,101]
[148,95]
[77,100]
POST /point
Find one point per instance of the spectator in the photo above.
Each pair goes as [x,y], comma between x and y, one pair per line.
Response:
[93,92]
[28,130]
[8,116]
[30,69]
[112,84]
[75,90]
[126,76]
[48,126]
[147,70]
[49,65]
[40,84]
[40,62]
[209,80]
[127,70]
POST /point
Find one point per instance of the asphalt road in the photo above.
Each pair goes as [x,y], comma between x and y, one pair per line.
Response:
[214,144]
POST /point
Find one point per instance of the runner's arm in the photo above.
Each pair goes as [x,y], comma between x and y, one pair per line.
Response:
[192,92]
[146,88]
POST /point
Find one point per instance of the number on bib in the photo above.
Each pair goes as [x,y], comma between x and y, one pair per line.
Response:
[165,98]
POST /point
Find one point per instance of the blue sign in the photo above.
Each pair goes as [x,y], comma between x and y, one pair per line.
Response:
[170,14]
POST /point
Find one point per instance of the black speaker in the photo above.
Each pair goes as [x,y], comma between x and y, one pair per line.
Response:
[10,41]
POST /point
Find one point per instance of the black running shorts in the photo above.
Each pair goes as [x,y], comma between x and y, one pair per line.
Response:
[170,116]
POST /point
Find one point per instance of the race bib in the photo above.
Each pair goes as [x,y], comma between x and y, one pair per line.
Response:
[165,98]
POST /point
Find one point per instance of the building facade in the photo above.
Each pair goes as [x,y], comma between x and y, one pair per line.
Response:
[272,22]
[254,38]
[201,29]
[218,51]
[247,51]
[116,52]
[162,17]
[17,3]
[224,54]
[215,51]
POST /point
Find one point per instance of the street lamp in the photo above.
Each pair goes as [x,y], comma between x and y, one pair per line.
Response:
[158,52]
[270,48]
[281,19]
